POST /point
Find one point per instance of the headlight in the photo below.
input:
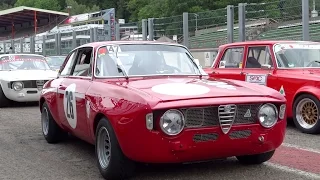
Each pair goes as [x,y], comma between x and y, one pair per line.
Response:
[268,115]
[17,86]
[282,111]
[172,122]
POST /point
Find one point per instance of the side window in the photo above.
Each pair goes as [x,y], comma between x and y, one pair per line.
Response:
[232,58]
[83,65]
[258,56]
[70,62]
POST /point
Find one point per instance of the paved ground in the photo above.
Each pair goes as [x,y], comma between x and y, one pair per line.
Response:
[24,154]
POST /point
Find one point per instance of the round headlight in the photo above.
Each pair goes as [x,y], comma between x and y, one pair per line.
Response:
[268,115]
[172,122]
[17,86]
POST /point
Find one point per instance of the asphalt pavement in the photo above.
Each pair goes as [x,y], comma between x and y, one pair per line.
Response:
[24,154]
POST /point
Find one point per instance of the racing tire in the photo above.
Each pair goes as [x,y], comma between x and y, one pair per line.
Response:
[256,158]
[306,113]
[4,101]
[112,163]
[50,129]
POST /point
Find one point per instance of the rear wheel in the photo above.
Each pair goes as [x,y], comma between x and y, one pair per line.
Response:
[306,113]
[256,158]
[4,101]
[50,129]
[112,163]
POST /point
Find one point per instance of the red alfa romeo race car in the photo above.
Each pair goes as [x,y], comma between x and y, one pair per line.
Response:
[150,102]
[290,67]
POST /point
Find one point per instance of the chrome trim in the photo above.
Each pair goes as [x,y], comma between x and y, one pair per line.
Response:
[226,119]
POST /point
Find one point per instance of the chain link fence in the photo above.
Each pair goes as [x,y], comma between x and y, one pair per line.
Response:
[277,20]
[169,27]
[208,29]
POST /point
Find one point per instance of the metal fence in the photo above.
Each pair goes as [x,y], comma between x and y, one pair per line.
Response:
[272,20]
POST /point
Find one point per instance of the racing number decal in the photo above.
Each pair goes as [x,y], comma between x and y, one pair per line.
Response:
[69,105]
[69,108]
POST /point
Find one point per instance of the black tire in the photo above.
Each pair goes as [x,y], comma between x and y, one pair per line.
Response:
[255,159]
[119,166]
[54,133]
[316,128]
[4,101]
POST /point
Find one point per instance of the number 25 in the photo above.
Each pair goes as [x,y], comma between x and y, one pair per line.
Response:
[69,108]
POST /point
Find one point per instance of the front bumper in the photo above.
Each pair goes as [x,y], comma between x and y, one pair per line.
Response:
[154,147]
[25,95]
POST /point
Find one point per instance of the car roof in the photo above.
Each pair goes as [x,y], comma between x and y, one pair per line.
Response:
[101,43]
[269,42]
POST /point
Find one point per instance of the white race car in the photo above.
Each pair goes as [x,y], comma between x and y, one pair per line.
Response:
[22,77]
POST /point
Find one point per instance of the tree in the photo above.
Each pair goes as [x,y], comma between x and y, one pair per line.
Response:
[42,4]
[80,8]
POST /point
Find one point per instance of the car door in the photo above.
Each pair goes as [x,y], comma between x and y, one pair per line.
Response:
[229,66]
[259,67]
[72,91]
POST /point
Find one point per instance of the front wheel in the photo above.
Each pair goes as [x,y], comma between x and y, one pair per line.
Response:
[256,158]
[112,163]
[50,129]
[306,113]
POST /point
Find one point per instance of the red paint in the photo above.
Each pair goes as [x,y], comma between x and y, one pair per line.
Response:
[126,102]
[294,81]
[296,158]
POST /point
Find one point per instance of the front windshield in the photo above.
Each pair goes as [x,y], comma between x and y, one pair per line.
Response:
[23,62]
[55,61]
[297,55]
[145,59]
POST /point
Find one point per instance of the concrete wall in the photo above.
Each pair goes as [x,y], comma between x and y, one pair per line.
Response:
[202,53]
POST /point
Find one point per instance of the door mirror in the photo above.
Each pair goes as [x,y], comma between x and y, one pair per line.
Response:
[266,66]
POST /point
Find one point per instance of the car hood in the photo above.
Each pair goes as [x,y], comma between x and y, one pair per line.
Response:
[167,89]
[16,75]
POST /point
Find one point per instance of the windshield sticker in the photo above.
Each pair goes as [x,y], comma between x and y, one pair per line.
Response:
[222,64]
[7,59]
[180,89]
[291,65]
[283,47]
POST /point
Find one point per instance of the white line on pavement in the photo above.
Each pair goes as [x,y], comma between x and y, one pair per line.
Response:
[292,170]
[300,148]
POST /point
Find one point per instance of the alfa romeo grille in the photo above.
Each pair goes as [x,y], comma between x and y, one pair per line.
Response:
[215,115]
[227,114]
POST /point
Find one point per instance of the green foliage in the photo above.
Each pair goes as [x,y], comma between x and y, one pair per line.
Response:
[77,8]
[43,4]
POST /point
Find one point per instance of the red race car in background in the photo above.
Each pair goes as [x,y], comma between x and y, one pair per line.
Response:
[290,67]
[151,102]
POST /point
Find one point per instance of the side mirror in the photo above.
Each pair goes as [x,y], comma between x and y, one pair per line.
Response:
[266,66]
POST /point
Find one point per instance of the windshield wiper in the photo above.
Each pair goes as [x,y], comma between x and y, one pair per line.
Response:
[200,75]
